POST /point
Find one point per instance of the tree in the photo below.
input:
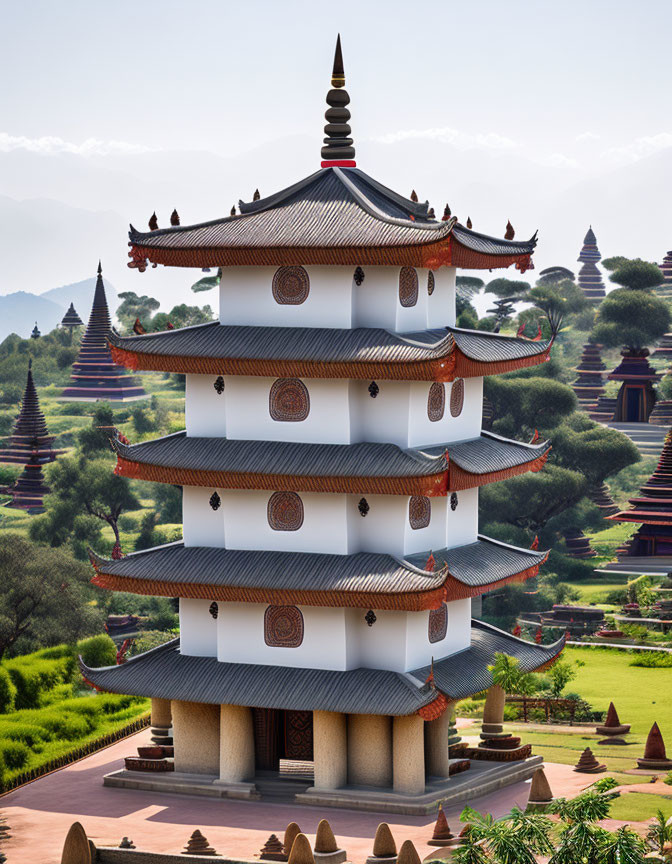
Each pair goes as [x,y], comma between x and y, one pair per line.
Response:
[503,287]
[182,316]
[525,404]
[614,263]
[83,487]
[595,451]
[637,275]
[44,599]
[135,306]
[96,437]
[561,673]
[631,317]
[558,300]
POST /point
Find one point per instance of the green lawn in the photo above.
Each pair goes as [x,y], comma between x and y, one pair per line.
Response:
[641,696]
[638,806]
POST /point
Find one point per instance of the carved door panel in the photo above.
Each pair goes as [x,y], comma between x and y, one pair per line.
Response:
[266,738]
[299,735]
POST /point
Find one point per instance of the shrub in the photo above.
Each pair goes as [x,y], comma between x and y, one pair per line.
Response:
[652,660]
[14,753]
[7,692]
[33,674]
[97,651]
[31,735]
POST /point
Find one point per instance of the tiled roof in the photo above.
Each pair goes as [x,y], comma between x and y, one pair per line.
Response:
[232,463]
[333,209]
[165,673]
[324,352]
[322,579]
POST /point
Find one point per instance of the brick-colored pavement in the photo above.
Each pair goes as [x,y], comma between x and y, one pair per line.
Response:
[40,814]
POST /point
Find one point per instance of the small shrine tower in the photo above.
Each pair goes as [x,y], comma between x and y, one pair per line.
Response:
[590,278]
[653,509]
[589,385]
[95,376]
[330,466]
[30,445]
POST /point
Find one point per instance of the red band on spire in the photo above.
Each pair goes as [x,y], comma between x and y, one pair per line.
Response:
[339,163]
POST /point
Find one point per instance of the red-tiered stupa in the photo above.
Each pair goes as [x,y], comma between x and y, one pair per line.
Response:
[589,385]
[30,445]
[590,278]
[95,376]
[653,509]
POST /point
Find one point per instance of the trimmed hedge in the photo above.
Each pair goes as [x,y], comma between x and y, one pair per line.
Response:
[97,651]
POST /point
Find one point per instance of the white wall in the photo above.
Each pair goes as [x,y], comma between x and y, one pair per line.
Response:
[246,297]
[201,525]
[332,523]
[332,639]
[198,629]
[342,411]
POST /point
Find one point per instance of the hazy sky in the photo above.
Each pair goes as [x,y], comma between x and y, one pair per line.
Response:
[582,81]
[554,115]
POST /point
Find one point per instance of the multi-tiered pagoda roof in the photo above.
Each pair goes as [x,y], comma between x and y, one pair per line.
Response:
[249,465]
[653,509]
[590,278]
[589,385]
[30,445]
[71,318]
[95,376]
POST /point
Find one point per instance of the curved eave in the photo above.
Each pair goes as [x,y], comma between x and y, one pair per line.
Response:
[454,364]
[429,255]
[644,516]
[165,673]
[440,586]
[452,474]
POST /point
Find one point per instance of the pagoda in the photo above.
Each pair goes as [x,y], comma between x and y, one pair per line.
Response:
[589,385]
[330,468]
[666,267]
[30,445]
[590,278]
[653,509]
[95,376]
[71,320]
[636,397]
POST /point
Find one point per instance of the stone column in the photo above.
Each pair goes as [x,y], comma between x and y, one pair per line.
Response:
[493,713]
[330,749]
[408,754]
[369,750]
[196,737]
[161,717]
[437,733]
[236,744]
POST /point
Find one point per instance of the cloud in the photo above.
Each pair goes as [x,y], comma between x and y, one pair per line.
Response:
[640,148]
[50,144]
[447,135]
[557,160]
[587,136]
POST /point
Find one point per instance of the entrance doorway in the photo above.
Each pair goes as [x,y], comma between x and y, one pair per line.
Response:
[283,741]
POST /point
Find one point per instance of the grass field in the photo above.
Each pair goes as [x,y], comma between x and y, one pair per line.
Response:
[639,806]
[641,696]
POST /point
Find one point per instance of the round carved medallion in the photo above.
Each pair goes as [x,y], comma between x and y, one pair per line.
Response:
[408,286]
[283,627]
[291,286]
[419,512]
[285,511]
[438,623]
[457,397]
[436,402]
[288,400]
[431,283]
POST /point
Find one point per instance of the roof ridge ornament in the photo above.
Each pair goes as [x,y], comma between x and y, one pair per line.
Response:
[338,150]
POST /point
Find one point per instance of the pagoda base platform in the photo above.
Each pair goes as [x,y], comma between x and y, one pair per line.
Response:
[106,397]
[639,565]
[481,778]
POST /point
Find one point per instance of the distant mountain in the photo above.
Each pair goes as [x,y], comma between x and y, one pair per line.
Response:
[81,294]
[20,310]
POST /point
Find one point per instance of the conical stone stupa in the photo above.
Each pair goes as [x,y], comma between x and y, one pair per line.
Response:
[655,757]
[326,849]
[95,376]
[540,792]
[71,318]
[612,725]
[30,445]
[384,847]
[442,835]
